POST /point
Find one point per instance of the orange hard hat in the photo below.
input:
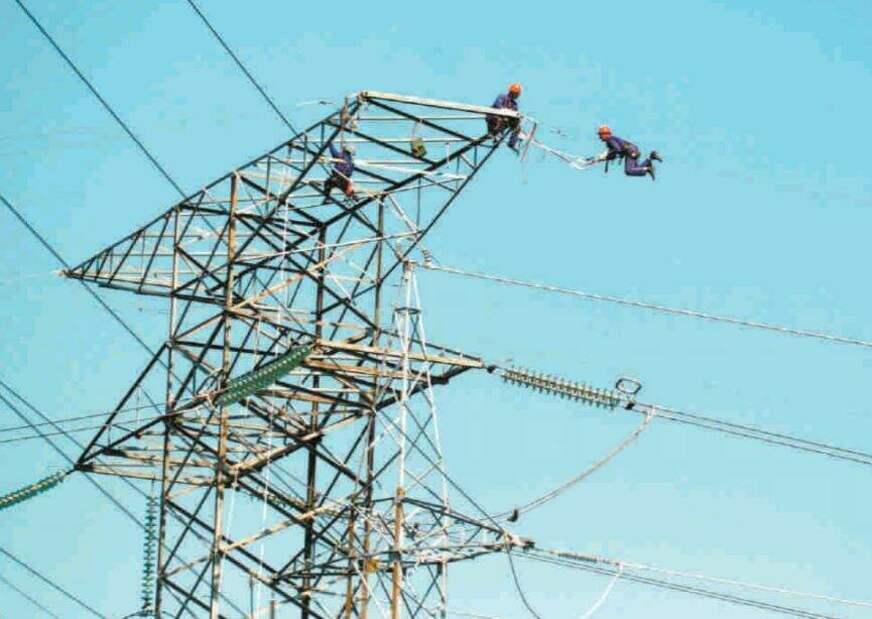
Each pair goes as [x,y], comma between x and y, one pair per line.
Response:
[515,89]
[604,130]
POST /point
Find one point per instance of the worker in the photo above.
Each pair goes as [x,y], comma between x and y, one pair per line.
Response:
[497,124]
[342,170]
[629,151]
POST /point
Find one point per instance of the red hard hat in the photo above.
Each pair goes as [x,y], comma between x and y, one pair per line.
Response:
[604,130]
[515,89]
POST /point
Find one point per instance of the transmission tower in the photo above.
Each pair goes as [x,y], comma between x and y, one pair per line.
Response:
[295,438]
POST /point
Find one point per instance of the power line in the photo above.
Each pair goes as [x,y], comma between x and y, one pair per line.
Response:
[591,559]
[242,67]
[676,311]
[27,597]
[748,585]
[610,570]
[51,583]
[757,434]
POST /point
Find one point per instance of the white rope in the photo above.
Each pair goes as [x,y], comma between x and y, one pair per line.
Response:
[578,162]
[538,502]
[268,471]
[605,593]
[232,512]
[461,613]
[839,339]
[444,175]
[303,250]
[314,102]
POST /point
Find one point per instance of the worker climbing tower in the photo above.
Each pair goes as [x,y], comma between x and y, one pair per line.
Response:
[293,432]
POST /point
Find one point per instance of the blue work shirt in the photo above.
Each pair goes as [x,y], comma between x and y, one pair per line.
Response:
[346,166]
[505,102]
[617,147]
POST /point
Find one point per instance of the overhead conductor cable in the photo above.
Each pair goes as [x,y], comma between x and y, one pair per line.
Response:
[677,311]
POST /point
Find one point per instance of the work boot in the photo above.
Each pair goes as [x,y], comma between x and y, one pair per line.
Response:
[651,171]
[654,156]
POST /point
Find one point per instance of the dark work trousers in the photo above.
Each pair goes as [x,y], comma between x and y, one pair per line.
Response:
[336,180]
[496,125]
[632,167]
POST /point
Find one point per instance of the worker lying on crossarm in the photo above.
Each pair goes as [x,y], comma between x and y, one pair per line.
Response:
[342,170]
[497,124]
[629,151]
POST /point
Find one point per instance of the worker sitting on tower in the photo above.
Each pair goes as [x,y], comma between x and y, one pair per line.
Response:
[497,124]
[629,151]
[342,170]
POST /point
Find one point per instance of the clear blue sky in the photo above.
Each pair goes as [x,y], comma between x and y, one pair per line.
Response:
[762,210]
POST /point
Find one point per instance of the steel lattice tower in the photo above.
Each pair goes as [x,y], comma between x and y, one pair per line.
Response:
[323,492]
